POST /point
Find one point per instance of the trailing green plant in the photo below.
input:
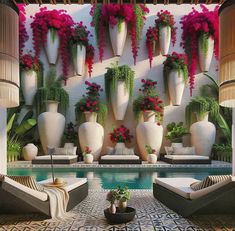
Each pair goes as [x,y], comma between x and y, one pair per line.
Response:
[53,91]
[222,152]
[117,73]
[175,132]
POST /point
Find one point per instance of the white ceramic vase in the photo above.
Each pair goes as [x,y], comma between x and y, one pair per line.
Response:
[203,135]
[119,100]
[112,208]
[91,134]
[205,58]
[176,86]
[152,158]
[52,46]
[51,126]
[29,152]
[88,159]
[29,85]
[149,133]
[165,39]
[79,59]
[118,37]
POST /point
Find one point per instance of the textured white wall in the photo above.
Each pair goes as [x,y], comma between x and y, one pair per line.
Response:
[76,87]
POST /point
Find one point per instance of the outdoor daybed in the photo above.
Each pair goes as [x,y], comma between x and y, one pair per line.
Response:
[177,195]
[57,159]
[186,159]
[18,198]
[120,159]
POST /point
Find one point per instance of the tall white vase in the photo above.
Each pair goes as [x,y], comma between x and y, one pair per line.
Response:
[165,39]
[52,46]
[149,133]
[176,86]
[118,37]
[79,59]
[119,100]
[91,134]
[205,58]
[29,85]
[51,126]
[203,135]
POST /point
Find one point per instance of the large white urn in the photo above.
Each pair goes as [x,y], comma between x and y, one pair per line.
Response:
[29,152]
[176,86]
[203,135]
[205,54]
[119,100]
[52,45]
[29,85]
[149,133]
[164,39]
[117,35]
[79,58]
[51,126]
[91,134]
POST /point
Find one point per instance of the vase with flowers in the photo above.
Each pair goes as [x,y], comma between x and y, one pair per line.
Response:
[175,73]
[116,17]
[87,155]
[81,50]
[91,133]
[52,29]
[149,106]
[200,39]
[152,157]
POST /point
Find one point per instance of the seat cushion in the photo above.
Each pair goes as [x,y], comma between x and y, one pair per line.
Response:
[56,157]
[183,151]
[120,157]
[186,157]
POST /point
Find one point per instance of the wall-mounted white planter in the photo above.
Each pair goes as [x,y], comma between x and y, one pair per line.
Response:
[52,46]
[51,126]
[29,152]
[176,86]
[118,37]
[91,134]
[203,135]
[79,59]
[165,39]
[29,85]
[205,58]
[119,100]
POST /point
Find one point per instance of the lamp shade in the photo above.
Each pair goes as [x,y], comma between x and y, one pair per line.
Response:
[9,54]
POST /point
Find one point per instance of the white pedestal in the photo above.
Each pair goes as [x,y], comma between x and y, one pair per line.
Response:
[3,140]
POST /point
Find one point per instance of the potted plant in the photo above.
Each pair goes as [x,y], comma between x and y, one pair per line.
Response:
[111,197]
[87,155]
[202,132]
[123,195]
[119,84]
[222,152]
[81,50]
[175,133]
[91,133]
[51,122]
[52,29]
[152,157]
[70,135]
[116,17]
[175,73]
[200,39]
[149,104]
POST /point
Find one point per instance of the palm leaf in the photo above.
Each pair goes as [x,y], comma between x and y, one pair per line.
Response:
[25,126]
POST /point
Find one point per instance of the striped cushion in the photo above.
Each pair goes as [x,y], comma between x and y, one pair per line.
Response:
[209,181]
[28,181]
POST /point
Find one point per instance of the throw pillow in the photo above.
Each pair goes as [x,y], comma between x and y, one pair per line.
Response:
[169,150]
[110,150]
[184,151]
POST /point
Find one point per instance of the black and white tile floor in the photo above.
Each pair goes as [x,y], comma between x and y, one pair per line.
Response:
[88,216]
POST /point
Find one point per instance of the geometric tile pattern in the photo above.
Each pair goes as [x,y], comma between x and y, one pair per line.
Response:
[88,216]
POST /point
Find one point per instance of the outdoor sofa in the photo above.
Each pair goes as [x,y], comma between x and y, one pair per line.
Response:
[186,159]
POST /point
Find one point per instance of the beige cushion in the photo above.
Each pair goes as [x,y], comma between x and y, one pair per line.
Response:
[65,151]
[110,150]
[183,151]
[186,157]
[169,150]
[120,157]
[56,157]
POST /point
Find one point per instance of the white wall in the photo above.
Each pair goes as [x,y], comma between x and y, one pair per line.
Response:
[75,85]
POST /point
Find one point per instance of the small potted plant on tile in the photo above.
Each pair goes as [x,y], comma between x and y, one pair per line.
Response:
[111,197]
[88,157]
[152,157]
[123,195]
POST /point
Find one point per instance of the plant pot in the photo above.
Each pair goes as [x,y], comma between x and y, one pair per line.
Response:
[112,209]
[119,100]
[88,158]
[29,152]
[52,46]
[29,85]
[176,86]
[79,59]
[91,134]
[119,148]
[90,116]
[165,39]
[149,116]
[203,135]
[51,126]
[152,158]
[118,37]
[149,133]
[122,205]
[205,58]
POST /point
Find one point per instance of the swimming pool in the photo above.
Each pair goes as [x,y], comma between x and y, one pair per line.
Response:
[108,178]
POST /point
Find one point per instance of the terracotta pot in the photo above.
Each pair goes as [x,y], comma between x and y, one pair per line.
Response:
[88,158]
[29,152]
[152,158]
[29,85]
[165,39]
[118,37]
[51,126]
[79,59]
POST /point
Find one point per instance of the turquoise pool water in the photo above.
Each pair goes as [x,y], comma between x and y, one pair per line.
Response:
[108,178]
